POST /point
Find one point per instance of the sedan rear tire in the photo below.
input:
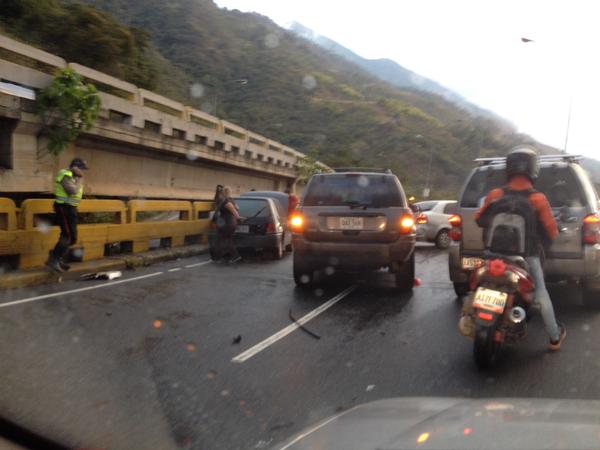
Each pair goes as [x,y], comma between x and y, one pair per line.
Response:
[442,240]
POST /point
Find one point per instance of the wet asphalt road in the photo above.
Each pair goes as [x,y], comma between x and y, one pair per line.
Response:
[147,364]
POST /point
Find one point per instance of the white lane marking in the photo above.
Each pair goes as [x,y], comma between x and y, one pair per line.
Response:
[292,327]
[174,269]
[316,428]
[189,266]
[74,291]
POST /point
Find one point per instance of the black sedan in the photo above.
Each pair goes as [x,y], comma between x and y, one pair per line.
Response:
[263,228]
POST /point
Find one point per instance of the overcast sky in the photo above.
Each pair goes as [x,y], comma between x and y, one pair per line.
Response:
[474,48]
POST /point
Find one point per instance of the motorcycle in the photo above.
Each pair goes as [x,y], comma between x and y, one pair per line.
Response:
[497,311]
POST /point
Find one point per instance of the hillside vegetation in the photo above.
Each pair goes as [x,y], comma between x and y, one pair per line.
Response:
[297,92]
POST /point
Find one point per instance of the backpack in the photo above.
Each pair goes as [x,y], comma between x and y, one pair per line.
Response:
[217,217]
[511,224]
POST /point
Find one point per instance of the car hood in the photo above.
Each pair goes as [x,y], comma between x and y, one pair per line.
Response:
[455,423]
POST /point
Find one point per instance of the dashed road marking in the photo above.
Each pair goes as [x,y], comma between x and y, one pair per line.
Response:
[174,269]
[245,356]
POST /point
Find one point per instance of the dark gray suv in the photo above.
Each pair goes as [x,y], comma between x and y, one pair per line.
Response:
[573,256]
[354,221]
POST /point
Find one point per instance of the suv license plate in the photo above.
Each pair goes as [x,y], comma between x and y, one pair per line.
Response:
[491,300]
[471,263]
[351,223]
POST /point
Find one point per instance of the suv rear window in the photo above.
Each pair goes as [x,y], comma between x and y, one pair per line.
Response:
[559,184]
[253,207]
[378,191]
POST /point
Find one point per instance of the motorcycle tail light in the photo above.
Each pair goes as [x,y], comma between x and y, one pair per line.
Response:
[497,268]
[486,316]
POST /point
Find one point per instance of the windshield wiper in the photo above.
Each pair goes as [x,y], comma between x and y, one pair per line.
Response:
[356,204]
[259,211]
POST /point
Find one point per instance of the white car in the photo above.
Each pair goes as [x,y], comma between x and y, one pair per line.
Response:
[432,221]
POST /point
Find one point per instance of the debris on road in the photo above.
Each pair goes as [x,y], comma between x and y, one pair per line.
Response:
[370,388]
[306,330]
[110,275]
[237,339]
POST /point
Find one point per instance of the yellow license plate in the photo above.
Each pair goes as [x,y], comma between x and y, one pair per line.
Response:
[490,300]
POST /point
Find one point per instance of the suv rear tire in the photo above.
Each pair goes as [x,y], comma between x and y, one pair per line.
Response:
[461,289]
[405,275]
[590,297]
[303,272]
[442,240]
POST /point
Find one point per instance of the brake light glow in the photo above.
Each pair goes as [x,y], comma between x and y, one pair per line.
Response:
[422,219]
[271,228]
[591,229]
[456,231]
[486,316]
[407,224]
[297,223]
[497,267]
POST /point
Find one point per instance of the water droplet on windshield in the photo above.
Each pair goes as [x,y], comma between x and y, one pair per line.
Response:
[224,392]
[319,292]
[271,40]
[43,226]
[334,261]
[309,82]
[417,79]
[304,279]
[586,327]
[191,155]
[196,90]
[207,107]
[363,181]
[370,388]
[78,253]
[329,270]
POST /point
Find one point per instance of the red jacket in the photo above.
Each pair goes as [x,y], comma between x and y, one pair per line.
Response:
[539,201]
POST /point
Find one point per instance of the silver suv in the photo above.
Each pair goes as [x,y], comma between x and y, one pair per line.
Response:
[354,221]
[573,256]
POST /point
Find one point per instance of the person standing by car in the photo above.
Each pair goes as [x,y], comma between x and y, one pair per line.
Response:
[228,217]
[521,172]
[292,201]
[68,191]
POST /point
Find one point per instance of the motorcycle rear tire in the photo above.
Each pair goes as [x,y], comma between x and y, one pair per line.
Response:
[485,349]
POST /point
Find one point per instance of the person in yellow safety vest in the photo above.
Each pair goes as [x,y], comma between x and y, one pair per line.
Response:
[68,191]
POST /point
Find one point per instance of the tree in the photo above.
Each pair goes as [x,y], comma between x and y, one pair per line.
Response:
[68,107]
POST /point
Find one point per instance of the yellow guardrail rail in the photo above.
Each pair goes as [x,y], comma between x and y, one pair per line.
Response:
[8,214]
[30,239]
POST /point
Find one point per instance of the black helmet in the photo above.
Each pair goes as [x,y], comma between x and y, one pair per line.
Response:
[522,160]
[79,163]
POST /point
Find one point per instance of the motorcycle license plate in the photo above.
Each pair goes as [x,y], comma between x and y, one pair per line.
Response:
[471,263]
[490,300]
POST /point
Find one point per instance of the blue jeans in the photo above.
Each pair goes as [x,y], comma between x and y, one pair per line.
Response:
[543,298]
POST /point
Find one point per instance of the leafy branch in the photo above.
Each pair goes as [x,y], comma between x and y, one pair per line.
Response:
[68,107]
[308,166]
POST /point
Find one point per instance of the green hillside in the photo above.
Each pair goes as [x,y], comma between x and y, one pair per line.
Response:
[296,92]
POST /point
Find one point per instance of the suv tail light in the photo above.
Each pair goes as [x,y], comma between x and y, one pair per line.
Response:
[296,222]
[456,232]
[591,229]
[422,219]
[407,224]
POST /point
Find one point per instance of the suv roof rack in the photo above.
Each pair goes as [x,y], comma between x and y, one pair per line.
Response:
[361,169]
[542,158]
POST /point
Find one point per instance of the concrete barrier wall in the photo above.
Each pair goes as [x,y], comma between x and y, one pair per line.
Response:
[23,235]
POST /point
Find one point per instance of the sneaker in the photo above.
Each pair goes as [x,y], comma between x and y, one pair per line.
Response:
[64,266]
[235,260]
[54,265]
[555,345]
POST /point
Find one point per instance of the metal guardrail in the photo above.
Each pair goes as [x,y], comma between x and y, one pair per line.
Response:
[30,240]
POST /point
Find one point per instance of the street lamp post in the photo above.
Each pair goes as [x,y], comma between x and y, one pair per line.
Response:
[527,41]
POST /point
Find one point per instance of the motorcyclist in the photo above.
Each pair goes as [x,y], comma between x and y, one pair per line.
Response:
[522,170]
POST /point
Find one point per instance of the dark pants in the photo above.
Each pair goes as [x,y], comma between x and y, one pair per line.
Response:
[224,243]
[66,219]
